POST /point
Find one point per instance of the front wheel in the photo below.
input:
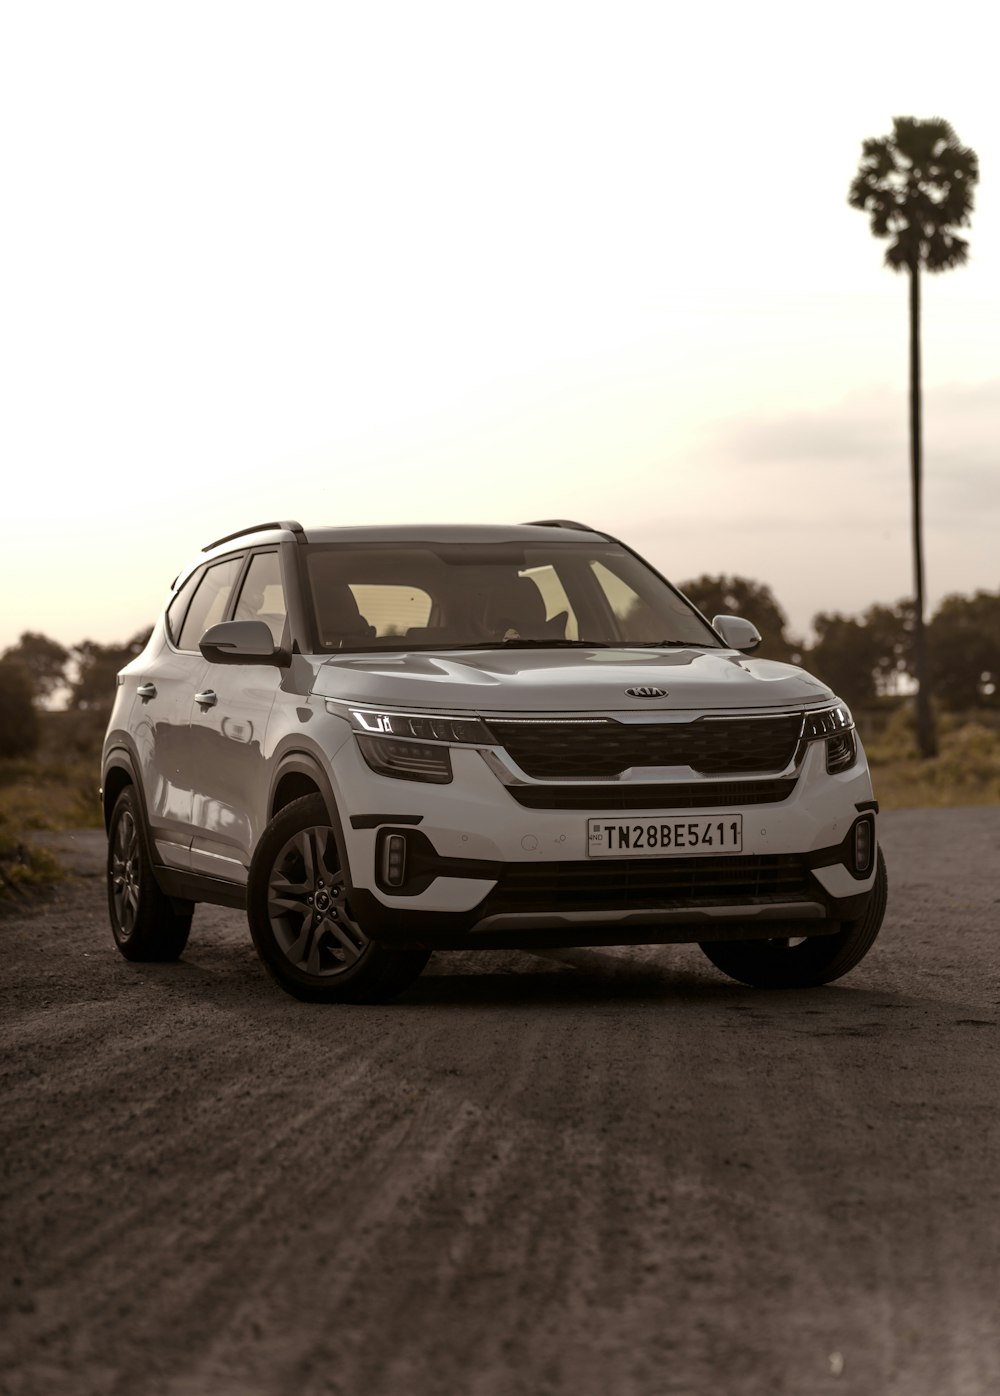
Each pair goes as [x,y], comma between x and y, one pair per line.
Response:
[301,921]
[783,964]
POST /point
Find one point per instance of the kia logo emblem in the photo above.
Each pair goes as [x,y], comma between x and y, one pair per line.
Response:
[644,692]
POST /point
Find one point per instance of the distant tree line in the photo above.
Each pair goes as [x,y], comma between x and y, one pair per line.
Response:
[863,658]
[37,670]
[871,656]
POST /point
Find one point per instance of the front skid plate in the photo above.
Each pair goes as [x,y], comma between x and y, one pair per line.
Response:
[528,931]
[553,939]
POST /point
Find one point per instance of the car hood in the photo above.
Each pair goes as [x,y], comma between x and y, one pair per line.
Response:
[571,680]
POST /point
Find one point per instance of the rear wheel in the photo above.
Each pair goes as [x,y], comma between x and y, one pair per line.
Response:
[803,964]
[300,916]
[146,924]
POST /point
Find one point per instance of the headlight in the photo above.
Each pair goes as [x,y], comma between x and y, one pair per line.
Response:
[836,726]
[415,746]
[430,761]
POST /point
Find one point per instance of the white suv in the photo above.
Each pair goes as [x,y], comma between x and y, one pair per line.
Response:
[384,741]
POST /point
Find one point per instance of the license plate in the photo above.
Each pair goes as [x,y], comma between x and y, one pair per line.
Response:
[663,835]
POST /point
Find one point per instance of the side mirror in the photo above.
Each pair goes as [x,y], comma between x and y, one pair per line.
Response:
[739,634]
[241,642]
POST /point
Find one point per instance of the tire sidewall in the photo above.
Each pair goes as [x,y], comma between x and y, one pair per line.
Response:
[818,960]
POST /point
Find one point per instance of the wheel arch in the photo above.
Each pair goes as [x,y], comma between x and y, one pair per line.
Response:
[298,774]
[119,772]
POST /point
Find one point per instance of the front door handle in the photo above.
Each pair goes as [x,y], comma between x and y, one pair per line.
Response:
[206,699]
[146,690]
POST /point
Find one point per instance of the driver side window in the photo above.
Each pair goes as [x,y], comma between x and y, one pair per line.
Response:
[262,595]
[210,601]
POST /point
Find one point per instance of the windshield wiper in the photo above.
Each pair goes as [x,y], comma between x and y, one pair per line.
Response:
[589,644]
[525,644]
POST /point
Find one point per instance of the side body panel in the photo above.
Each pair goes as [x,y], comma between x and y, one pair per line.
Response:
[230,769]
[159,725]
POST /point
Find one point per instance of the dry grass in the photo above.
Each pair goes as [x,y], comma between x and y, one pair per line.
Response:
[23,867]
[966,770]
[55,789]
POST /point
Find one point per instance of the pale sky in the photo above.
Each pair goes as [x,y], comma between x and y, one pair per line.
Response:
[487,262]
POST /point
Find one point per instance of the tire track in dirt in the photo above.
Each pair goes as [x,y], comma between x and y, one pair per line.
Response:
[615,1172]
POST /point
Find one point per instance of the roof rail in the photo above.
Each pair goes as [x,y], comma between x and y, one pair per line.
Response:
[290,524]
[561,523]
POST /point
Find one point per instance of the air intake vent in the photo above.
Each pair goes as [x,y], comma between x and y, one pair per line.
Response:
[642,883]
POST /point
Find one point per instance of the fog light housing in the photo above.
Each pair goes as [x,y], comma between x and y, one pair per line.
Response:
[393,860]
[864,845]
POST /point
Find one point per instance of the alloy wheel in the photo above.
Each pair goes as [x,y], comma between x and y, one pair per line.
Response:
[124,873]
[307,905]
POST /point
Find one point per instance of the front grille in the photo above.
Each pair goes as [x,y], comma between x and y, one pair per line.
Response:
[649,883]
[711,746]
[717,794]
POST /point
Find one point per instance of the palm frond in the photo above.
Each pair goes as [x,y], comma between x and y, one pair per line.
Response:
[945,250]
[897,256]
[917,188]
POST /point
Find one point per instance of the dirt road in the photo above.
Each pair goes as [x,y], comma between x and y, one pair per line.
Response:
[616,1174]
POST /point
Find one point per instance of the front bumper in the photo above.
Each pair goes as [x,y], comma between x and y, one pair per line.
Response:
[484,869]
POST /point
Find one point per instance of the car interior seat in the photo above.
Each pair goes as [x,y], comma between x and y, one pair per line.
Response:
[338,617]
[516,610]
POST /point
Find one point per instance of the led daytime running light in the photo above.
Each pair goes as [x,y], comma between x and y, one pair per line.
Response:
[456,731]
[827,723]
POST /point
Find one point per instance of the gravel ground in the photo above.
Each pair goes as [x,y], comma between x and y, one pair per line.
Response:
[605,1172]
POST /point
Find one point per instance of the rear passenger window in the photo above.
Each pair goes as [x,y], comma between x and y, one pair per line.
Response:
[262,595]
[180,603]
[210,600]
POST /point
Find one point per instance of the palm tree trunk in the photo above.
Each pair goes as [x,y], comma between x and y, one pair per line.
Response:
[926,739]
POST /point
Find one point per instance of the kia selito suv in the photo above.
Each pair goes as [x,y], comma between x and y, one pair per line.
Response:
[386,741]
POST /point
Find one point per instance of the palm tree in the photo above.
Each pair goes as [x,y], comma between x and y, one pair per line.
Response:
[917,185]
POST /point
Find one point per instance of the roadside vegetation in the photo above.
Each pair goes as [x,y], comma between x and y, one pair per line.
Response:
[965,771]
[55,788]
[50,759]
[23,868]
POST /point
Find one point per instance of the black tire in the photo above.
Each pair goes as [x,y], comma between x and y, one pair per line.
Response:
[146,924]
[300,916]
[777,964]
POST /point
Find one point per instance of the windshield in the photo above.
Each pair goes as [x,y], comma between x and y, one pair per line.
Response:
[432,596]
